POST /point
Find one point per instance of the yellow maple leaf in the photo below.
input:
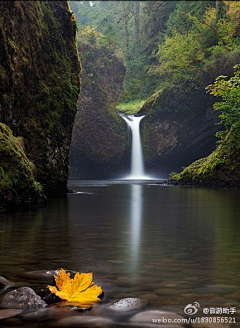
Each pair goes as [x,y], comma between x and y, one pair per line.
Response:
[79,289]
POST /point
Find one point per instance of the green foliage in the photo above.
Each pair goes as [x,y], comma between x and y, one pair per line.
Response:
[16,171]
[177,38]
[196,34]
[229,91]
[178,57]
[131,107]
[6,185]
[90,35]
[38,186]
[221,167]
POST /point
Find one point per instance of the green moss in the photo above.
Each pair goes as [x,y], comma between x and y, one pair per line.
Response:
[16,170]
[132,107]
[223,165]
[39,83]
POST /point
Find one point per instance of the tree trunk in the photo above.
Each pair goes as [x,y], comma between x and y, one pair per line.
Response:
[126,30]
[137,5]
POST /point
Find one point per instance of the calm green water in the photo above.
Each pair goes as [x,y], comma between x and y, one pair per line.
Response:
[169,244]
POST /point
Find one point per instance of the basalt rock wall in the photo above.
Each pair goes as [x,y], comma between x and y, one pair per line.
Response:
[180,125]
[39,83]
[99,147]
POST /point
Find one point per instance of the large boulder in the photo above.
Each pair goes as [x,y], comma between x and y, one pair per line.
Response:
[99,147]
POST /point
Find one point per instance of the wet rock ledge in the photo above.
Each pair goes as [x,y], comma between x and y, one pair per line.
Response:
[23,306]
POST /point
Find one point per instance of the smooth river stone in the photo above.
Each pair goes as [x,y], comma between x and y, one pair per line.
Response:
[150,296]
[4,282]
[9,313]
[22,298]
[212,325]
[145,287]
[148,325]
[83,321]
[217,289]
[44,314]
[148,316]
[166,291]
[127,304]
[40,275]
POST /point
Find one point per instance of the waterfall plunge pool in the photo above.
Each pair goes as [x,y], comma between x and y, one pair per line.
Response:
[170,245]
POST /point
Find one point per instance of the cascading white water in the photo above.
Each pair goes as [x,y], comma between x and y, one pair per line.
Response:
[137,167]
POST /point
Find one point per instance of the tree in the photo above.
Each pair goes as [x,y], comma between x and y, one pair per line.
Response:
[229,91]
[179,56]
[137,7]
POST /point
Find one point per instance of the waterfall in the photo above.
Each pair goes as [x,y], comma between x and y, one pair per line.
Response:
[137,166]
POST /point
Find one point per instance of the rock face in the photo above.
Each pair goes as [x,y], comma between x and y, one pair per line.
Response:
[17,183]
[221,168]
[99,141]
[180,124]
[39,83]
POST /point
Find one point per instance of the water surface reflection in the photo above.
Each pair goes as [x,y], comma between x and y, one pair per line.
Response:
[136,222]
[163,242]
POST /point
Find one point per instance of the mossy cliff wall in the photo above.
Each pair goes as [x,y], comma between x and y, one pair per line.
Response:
[180,124]
[39,83]
[99,141]
[221,168]
[18,187]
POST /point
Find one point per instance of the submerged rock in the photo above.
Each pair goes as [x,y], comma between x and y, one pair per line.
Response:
[127,304]
[40,275]
[217,289]
[9,313]
[149,316]
[84,321]
[44,314]
[22,298]
[4,282]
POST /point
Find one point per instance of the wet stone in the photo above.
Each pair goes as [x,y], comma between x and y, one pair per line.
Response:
[83,321]
[211,325]
[148,325]
[127,304]
[13,322]
[77,306]
[149,316]
[166,291]
[145,287]
[150,296]
[44,314]
[9,313]
[22,298]
[4,282]
[39,275]
[217,289]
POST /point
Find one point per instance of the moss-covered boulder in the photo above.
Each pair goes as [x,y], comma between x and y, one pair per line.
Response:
[17,184]
[39,83]
[99,147]
[180,124]
[221,168]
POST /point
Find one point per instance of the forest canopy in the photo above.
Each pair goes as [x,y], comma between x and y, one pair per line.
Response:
[162,42]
